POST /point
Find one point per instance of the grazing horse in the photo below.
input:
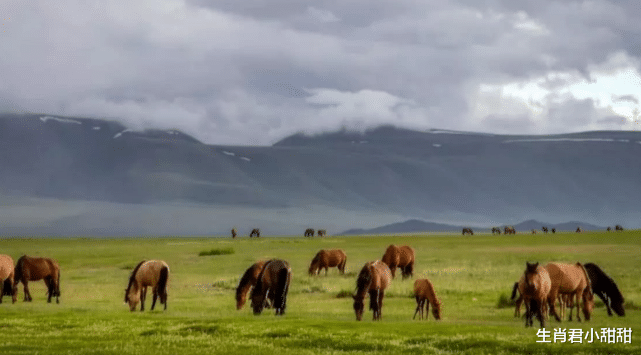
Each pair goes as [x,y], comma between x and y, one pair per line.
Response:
[247,282]
[401,257]
[255,232]
[325,259]
[509,230]
[570,279]
[618,228]
[424,294]
[34,269]
[533,231]
[322,233]
[604,287]
[374,278]
[553,230]
[154,273]
[579,230]
[496,230]
[609,229]
[309,232]
[544,229]
[468,231]
[234,233]
[273,284]
[534,287]
[7,272]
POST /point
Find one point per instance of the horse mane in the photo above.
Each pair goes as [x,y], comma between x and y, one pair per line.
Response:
[132,279]
[244,280]
[364,279]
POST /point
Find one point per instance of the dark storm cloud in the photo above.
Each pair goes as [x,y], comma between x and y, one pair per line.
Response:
[252,72]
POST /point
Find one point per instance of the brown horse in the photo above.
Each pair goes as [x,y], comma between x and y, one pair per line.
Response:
[273,284]
[374,278]
[154,273]
[579,230]
[255,232]
[509,230]
[7,277]
[618,228]
[234,233]
[534,287]
[309,232]
[544,229]
[424,294]
[553,230]
[533,231]
[34,269]
[321,233]
[247,282]
[570,279]
[401,257]
[496,230]
[468,231]
[327,258]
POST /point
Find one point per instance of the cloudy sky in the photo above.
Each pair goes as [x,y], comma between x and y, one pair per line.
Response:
[255,71]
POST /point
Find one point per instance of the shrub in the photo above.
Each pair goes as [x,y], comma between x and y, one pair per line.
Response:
[220,251]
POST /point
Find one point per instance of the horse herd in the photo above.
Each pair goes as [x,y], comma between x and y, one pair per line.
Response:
[539,288]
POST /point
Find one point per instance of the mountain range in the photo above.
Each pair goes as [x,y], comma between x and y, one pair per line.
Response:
[87,176]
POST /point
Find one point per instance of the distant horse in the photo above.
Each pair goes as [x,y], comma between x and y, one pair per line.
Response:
[609,229]
[579,230]
[401,257]
[325,259]
[374,278]
[247,282]
[509,230]
[533,231]
[468,231]
[154,273]
[534,287]
[255,232]
[496,230]
[7,272]
[309,232]
[424,294]
[273,284]
[34,269]
[234,233]
[553,230]
[618,228]
[570,279]
[322,233]
[544,229]
[604,287]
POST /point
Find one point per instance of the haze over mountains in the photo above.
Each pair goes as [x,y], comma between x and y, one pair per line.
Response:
[63,175]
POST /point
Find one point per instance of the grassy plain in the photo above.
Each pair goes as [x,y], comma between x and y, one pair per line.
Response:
[470,275]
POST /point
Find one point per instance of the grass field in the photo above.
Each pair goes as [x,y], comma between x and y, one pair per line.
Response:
[470,275]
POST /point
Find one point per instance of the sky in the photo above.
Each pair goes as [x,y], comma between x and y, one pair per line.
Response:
[252,72]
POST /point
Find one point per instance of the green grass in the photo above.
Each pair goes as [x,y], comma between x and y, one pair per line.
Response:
[218,251]
[473,277]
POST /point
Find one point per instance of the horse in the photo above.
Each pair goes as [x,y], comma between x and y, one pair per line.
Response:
[533,231]
[618,228]
[7,272]
[496,230]
[519,301]
[33,269]
[325,259]
[534,287]
[273,284]
[604,287]
[234,233]
[571,279]
[247,282]
[579,230]
[544,229]
[509,230]
[424,294]
[374,278]
[154,273]
[609,229]
[553,230]
[401,257]
[255,232]
[309,232]
[468,231]
[322,233]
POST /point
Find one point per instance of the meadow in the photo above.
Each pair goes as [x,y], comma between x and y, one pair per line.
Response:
[473,277]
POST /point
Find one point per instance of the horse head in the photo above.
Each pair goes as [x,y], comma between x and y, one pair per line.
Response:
[588,303]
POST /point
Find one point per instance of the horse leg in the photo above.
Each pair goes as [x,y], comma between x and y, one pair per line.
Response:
[155,297]
[517,306]
[577,304]
[49,283]
[143,294]
[552,305]
[27,294]
[418,307]
[381,294]
[540,315]
[427,309]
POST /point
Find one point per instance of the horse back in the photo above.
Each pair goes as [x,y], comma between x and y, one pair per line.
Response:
[381,274]
[334,257]
[391,255]
[406,255]
[567,278]
[6,267]
[424,288]
[272,271]
[149,272]
[35,269]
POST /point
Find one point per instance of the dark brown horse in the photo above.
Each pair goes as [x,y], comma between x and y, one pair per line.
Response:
[7,272]
[544,229]
[247,282]
[309,232]
[273,284]
[374,278]
[321,233]
[553,230]
[327,258]
[609,229]
[468,231]
[255,232]
[34,269]
[401,257]
[618,228]
[570,279]
[150,273]
[425,294]
[579,230]
[496,230]
[607,290]
[234,233]
[534,287]
[509,230]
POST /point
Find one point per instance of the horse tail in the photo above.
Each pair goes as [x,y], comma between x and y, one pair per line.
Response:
[514,289]
[57,289]
[281,291]
[343,263]
[132,280]
[17,276]
[162,284]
